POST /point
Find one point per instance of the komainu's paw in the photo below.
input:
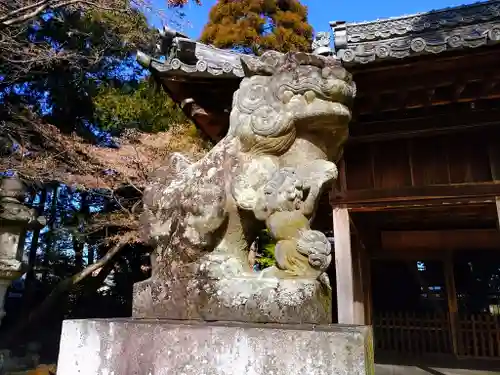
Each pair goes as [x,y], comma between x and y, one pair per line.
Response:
[316,247]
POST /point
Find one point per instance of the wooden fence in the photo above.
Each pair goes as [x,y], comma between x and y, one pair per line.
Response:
[419,334]
[411,333]
[479,336]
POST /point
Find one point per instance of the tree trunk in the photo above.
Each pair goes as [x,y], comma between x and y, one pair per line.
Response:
[30,282]
[79,241]
[51,234]
[36,234]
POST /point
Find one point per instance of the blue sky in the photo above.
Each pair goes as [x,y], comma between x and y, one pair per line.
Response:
[321,12]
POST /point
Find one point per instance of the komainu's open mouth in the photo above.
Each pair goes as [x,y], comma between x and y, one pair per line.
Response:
[313,113]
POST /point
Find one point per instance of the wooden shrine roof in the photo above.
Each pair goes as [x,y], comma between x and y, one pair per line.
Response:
[200,78]
[406,68]
[434,32]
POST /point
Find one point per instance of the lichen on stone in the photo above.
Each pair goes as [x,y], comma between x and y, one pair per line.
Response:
[288,122]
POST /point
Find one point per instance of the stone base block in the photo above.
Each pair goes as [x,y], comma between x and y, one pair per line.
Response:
[242,299]
[145,347]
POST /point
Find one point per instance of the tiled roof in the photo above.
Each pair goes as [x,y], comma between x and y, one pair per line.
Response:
[467,26]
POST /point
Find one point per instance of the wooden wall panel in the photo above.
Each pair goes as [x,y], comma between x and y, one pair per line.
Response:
[429,161]
[494,155]
[391,164]
[359,169]
[461,158]
[468,158]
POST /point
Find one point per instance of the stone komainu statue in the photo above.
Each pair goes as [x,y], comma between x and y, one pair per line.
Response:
[288,122]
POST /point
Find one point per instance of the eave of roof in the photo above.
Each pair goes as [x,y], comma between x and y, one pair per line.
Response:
[187,74]
[202,78]
[467,26]
[186,57]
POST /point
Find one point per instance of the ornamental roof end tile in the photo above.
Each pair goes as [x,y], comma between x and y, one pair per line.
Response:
[437,31]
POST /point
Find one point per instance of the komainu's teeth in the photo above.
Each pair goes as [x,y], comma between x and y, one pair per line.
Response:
[309,96]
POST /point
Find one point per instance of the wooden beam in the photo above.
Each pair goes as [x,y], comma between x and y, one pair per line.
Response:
[421,101]
[425,75]
[419,204]
[419,133]
[458,119]
[497,202]
[454,80]
[426,97]
[453,116]
[438,240]
[419,193]
[203,120]
[442,62]
[343,266]
[413,255]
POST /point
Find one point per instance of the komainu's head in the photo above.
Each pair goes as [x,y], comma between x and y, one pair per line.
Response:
[285,96]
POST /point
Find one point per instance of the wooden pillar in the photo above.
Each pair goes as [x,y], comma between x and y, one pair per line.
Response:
[359,287]
[494,156]
[451,293]
[343,266]
[497,201]
[361,242]
[367,285]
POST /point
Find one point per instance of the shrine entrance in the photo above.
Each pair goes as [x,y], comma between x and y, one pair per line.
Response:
[410,309]
[412,306]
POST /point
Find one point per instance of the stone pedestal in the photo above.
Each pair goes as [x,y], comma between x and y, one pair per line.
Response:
[155,347]
[6,278]
[242,299]
[4,285]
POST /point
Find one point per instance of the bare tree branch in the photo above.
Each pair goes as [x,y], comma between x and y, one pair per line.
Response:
[23,56]
[45,155]
[29,12]
[25,8]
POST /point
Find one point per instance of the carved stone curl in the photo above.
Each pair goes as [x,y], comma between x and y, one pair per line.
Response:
[288,121]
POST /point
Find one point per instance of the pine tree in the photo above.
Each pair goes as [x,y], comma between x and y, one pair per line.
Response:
[254,26]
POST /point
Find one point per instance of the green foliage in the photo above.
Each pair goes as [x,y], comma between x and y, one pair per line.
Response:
[266,246]
[76,52]
[255,26]
[130,30]
[145,108]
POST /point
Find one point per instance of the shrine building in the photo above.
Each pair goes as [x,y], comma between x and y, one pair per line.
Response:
[415,211]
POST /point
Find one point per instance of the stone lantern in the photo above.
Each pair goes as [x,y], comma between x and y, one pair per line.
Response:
[15,218]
